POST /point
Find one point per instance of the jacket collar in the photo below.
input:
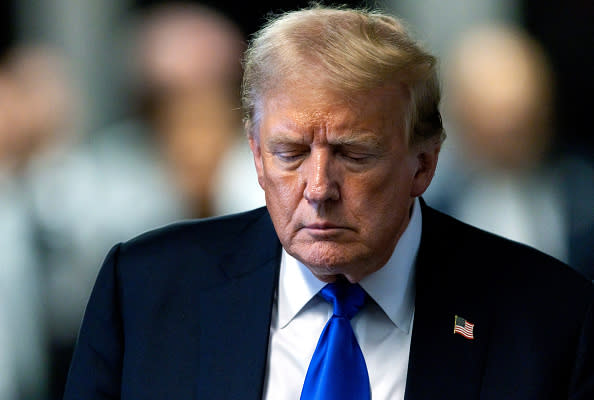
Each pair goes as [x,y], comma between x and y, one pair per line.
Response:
[444,364]
[233,337]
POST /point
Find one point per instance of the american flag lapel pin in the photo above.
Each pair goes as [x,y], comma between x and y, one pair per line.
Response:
[463,327]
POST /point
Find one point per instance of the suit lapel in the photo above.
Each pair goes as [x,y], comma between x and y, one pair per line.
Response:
[443,364]
[235,319]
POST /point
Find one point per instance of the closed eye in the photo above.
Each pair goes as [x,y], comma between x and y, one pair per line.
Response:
[356,155]
[290,156]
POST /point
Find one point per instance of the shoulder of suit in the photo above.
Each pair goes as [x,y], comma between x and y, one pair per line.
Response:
[205,231]
[196,249]
[472,250]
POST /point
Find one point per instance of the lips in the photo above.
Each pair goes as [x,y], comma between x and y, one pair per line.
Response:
[322,226]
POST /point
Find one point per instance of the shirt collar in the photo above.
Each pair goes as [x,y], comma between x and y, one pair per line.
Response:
[391,287]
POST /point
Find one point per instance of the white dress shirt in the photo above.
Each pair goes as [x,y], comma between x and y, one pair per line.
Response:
[382,327]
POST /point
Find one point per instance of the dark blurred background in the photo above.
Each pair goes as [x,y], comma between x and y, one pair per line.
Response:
[565,29]
[120,116]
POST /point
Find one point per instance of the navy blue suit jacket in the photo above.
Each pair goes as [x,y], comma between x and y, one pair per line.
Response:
[183,312]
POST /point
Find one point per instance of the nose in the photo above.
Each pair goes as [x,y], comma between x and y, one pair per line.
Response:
[321,181]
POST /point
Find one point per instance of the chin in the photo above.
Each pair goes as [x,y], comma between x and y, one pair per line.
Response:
[326,258]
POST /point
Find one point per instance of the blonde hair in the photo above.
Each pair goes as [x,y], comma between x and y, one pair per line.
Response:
[352,50]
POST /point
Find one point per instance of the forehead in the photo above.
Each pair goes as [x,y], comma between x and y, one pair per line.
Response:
[307,107]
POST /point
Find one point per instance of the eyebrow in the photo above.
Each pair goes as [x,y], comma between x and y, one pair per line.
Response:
[358,138]
[284,137]
[355,138]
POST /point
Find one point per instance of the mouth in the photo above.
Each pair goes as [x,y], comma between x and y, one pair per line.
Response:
[322,226]
[323,229]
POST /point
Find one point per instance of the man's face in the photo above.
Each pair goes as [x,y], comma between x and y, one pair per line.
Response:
[339,177]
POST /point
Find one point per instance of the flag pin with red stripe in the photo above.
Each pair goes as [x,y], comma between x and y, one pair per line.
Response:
[463,327]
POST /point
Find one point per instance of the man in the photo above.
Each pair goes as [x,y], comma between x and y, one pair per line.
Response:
[343,122]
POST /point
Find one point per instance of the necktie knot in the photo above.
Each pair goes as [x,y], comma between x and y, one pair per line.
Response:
[346,298]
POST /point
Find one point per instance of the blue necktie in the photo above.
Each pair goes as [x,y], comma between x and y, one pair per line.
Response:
[337,369]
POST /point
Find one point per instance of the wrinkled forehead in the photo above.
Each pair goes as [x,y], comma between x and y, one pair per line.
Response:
[318,93]
[312,89]
[308,108]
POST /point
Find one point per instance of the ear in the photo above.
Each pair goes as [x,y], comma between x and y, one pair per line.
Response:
[426,155]
[257,154]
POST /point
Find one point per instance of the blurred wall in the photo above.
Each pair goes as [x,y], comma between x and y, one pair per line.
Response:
[566,30]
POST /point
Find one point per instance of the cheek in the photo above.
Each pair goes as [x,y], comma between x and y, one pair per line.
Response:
[283,190]
[381,185]
[375,196]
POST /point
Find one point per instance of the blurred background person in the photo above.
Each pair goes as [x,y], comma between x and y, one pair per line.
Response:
[25,91]
[504,151]
[78,198]
[17,269]
[185,73]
